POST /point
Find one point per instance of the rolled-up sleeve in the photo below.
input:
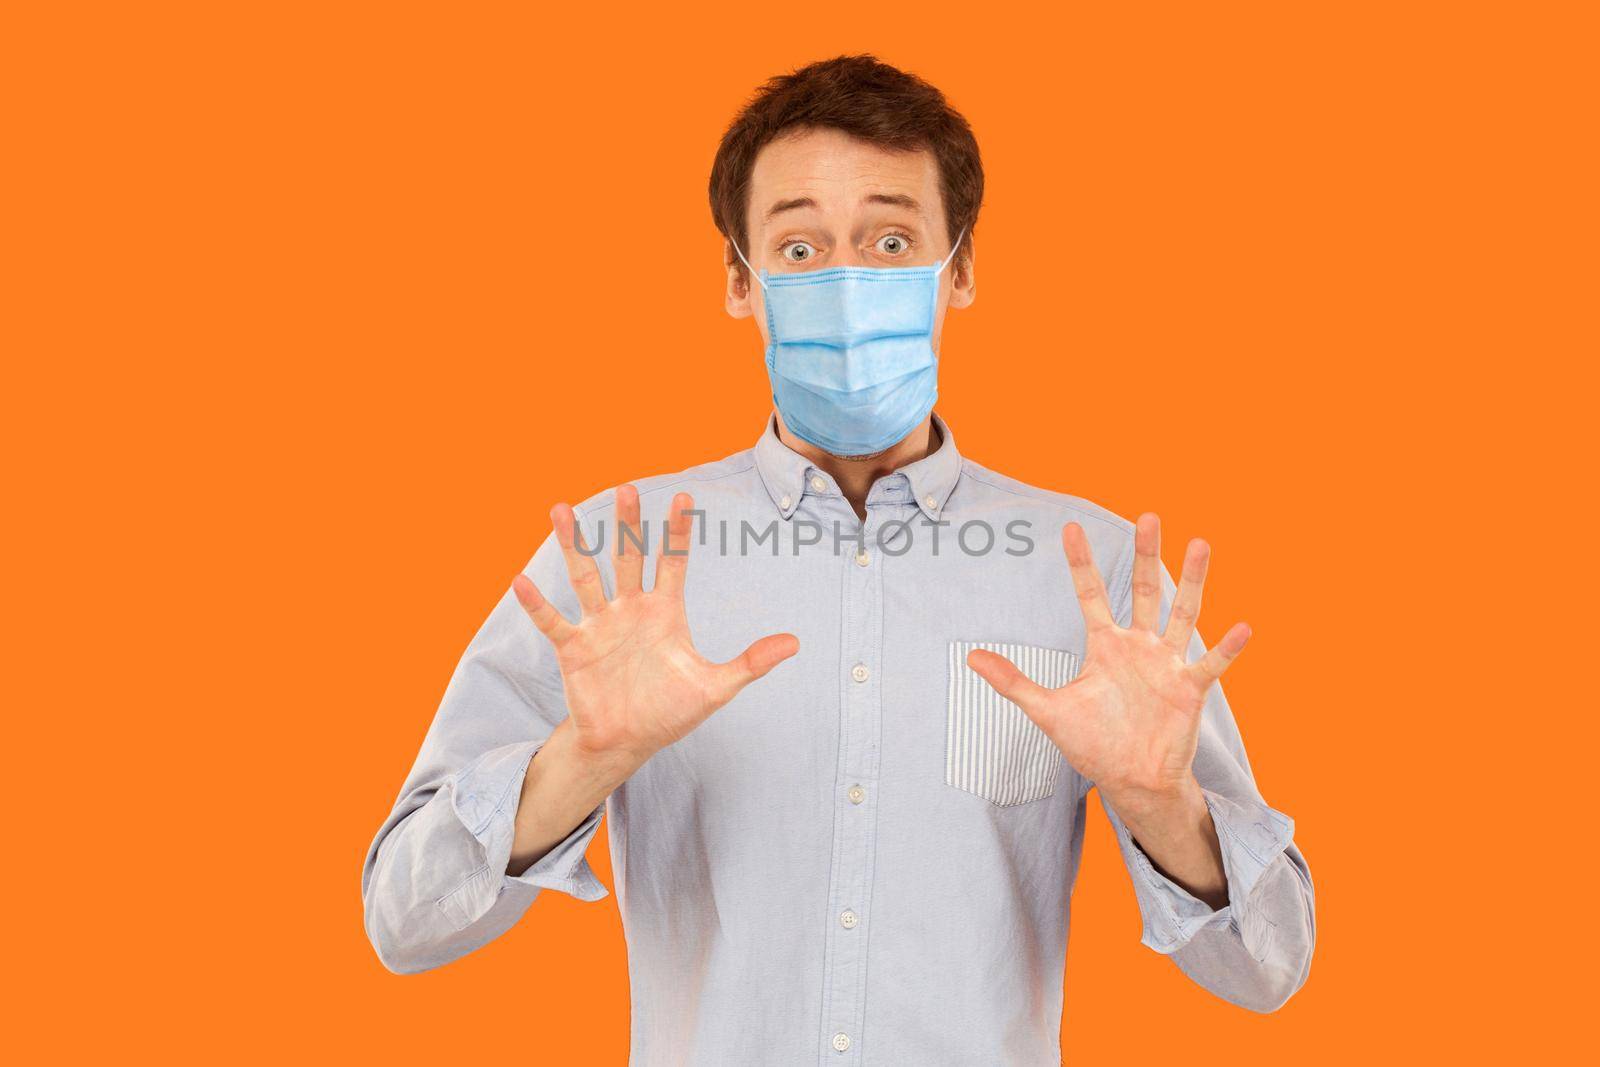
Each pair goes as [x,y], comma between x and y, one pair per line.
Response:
[1256,950]
[435,884]
[1252,835]
[484,799]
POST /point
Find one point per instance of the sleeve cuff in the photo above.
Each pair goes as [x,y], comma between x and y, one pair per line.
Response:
[1252,836]
[484,798]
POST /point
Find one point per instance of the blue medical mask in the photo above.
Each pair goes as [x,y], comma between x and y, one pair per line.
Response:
[850,352]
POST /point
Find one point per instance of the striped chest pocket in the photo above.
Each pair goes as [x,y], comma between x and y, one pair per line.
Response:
[992,748]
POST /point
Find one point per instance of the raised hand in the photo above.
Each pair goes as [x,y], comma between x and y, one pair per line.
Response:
[1130,721]
[634,682]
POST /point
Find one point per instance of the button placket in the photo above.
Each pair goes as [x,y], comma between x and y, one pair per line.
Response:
[855,820]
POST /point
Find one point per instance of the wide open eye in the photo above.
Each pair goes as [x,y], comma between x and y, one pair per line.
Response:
[797,252]
[893,244]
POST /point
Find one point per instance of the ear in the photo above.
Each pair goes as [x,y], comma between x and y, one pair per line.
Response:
[738,298]
[963,279]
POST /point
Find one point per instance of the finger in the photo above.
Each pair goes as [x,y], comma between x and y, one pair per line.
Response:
[673,560]
[755,661]
[630,538]
[1006,679]
[550,622]
[1147,572]
[1086,578]
[582,573]
[1186,601]
[1216,660]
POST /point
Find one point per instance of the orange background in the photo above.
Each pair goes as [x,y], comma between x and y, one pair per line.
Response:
[313,310]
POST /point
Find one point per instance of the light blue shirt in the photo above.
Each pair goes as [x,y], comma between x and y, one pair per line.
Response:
[868,856]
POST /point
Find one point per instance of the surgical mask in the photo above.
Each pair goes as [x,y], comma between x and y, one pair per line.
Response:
[850,352]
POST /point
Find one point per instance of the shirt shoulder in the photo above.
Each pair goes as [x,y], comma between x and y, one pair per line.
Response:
[732,473]
[1110,535]
[980,481]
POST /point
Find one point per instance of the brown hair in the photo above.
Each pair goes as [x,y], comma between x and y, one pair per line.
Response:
[866,99]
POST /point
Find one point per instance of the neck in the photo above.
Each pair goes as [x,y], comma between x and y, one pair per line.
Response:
[855,474]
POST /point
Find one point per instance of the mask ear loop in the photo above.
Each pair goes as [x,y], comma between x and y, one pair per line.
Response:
[953,250]
[746,262]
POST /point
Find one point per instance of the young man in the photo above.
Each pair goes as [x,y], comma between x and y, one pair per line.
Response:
[868,856]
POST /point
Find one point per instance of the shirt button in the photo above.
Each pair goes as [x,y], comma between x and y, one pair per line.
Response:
[856,794]
[818,485]
[862,559]
[785,502]
[847,919]
[859,672]
[841,1042]
[933,505]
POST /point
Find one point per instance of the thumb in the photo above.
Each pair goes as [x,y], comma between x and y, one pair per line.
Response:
[755,661]
[1006,679]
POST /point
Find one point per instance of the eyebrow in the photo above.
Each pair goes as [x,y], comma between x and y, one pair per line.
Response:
[894,199]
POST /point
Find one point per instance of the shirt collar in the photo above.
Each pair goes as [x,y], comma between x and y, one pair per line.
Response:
[933,477]
[789,476]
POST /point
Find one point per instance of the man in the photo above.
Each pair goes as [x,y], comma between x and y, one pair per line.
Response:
[868,856]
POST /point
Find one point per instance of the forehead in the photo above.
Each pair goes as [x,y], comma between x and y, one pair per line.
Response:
[838,171]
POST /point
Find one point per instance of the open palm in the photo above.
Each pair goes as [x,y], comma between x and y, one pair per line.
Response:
[1130,720]
[634,681]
